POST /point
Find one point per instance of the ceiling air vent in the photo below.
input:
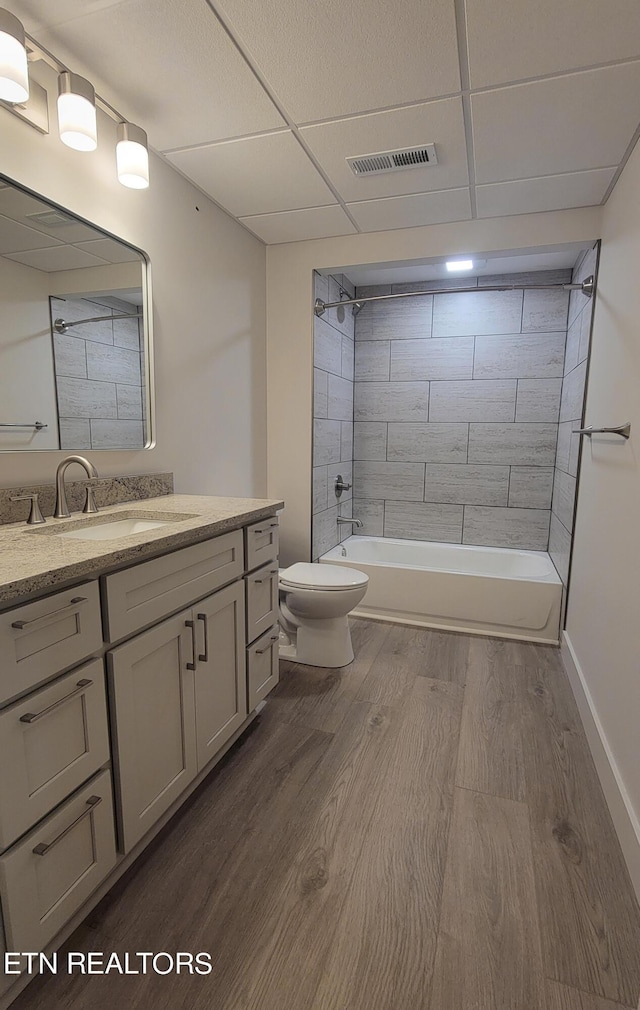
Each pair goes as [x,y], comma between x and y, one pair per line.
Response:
[49,218]
[394,161]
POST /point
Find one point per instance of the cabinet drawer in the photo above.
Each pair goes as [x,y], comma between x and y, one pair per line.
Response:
[262,667]
[50,743]
[261,542]
[47,637]
[47,876]
[139,596]
[262,600]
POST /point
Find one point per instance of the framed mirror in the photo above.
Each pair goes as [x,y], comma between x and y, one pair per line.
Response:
[76,366]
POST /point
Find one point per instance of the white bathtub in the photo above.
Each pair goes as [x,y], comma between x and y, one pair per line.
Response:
[481,590]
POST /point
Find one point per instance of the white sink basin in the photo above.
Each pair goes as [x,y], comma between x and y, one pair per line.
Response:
[112,529]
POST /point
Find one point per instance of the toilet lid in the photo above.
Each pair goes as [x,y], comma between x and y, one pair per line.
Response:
[304,575]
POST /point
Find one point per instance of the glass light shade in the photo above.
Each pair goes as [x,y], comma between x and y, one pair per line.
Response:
[14,74]
[132,156]
[77,113]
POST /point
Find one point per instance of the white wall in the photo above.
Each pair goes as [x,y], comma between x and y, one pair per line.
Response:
[290,328]
[603,620]
[27,386]
[208,277]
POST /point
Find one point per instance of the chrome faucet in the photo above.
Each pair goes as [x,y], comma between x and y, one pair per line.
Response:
[61,510]
[354,522]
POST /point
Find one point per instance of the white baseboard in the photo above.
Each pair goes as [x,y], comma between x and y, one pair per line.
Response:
[624,817]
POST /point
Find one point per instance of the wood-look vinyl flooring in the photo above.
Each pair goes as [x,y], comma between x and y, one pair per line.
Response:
[421,830]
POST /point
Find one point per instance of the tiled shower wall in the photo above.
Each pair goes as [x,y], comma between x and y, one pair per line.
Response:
[332,413]
[571,414]
[456,410]
[99,373]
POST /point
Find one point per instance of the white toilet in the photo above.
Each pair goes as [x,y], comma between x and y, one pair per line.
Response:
[314,603]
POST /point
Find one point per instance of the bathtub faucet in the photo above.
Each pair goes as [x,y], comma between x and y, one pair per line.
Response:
[354,522]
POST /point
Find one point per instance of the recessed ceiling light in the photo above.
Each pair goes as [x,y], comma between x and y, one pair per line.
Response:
[455,266]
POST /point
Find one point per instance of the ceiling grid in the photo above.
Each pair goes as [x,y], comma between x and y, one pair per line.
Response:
[260,102]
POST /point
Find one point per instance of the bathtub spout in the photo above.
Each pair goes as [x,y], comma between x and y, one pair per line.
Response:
[354,522]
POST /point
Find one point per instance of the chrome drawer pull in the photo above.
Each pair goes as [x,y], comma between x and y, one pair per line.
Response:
[204,656]
[270,527]
[259,652]
[21,625]
[31,717]
[43,847]
[192,625]
[258,582]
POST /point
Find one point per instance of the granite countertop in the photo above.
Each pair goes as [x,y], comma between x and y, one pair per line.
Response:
[34,559]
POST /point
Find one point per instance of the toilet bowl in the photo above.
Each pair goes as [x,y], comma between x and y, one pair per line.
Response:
[314,603]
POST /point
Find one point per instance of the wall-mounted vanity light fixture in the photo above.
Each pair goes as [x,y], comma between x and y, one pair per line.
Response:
[77,103]
[14,75]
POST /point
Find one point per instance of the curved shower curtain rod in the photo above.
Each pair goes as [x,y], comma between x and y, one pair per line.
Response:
[586,287]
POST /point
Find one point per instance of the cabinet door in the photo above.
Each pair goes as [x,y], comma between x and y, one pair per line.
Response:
[221,692]
[152,692]
[49,874]
[262,667]
[50,743]
[262,600]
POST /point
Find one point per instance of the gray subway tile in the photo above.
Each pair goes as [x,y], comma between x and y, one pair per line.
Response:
[545,310]
[72,309]
[69,356]
[320,286]
[430,442]
[527,529]
[564,497]
[325,532]
[320,386]
[371,514]
[346,440]
[372,360]
[528,444]
[531,487]
[572,400]
[475,312]
[398,319]
[423,521]
[391,401]
[489,400]
[441,358]
[585,331]
[560,547]
[327,347]
[538,399]
[341,317]
[126,332]
[86,398]
[347,359]
[116,434]
[75,433]
[527,277]
[339,398]
[568,450]
[519,356]
[573,345]
[320,495]
[370,440]
[460,484]
[400,481]
[326,442]
[113,364]
[129,399]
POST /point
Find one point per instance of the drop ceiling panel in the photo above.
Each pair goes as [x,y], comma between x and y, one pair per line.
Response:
[432,122]
[14,237]
[562,124]
[553,192]
[327,58]
[181,76]
[257,175]
[39,14]
[516,40]
[59,258]
[294,225]
[107,249]
[412,211]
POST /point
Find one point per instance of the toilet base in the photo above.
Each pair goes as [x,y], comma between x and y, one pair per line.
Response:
[321,643]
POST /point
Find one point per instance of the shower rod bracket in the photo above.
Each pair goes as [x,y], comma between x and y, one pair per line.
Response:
[586,286]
